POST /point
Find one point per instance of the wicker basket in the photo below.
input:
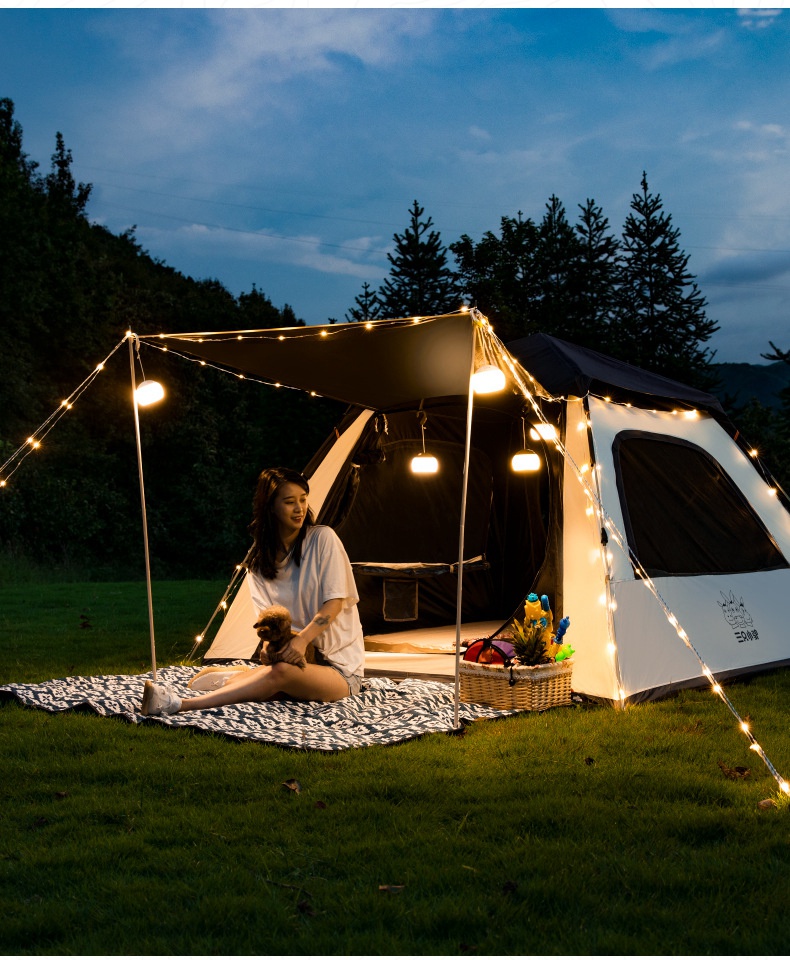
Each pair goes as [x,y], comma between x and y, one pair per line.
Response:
[517,687]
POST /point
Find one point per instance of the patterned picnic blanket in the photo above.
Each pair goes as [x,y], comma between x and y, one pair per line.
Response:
[384,712]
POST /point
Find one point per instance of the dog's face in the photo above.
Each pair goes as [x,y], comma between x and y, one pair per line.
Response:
[274,626]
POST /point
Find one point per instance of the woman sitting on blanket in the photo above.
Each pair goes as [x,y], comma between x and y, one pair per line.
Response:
[304,568]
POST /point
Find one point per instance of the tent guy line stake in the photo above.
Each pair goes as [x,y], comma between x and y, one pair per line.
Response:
[132,340]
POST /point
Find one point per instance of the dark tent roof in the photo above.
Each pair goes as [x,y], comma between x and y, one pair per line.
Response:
[378,365]
[564,369]
[389,363]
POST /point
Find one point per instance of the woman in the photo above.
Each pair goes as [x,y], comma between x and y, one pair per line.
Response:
[304,568]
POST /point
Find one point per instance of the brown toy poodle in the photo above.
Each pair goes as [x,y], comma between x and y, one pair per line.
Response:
[275,633]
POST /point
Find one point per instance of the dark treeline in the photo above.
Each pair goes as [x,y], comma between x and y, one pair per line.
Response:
[633,298]
[69,290]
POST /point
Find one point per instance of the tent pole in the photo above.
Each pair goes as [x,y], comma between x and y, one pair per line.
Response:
[142,504]
[464,486]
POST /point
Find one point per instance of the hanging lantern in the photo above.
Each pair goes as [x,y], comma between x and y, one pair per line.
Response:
[526,460]
[488,379]
[424,463]
[149,391]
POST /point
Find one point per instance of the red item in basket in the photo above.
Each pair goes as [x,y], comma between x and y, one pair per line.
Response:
[489,651]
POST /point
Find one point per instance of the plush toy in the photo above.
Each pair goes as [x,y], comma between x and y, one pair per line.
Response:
[275,633]
[533,609]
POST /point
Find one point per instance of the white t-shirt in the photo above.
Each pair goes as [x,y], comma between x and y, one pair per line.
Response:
[323,574]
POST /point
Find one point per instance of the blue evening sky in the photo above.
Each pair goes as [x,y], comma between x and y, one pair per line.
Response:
[283,147]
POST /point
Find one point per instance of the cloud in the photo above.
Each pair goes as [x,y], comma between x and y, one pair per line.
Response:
[758,18]
[364,258]
[750,268]
[201,79]
[676,36]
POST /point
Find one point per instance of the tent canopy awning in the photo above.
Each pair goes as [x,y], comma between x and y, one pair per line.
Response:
[379,365]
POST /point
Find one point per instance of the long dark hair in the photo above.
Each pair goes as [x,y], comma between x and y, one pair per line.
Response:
[264,529]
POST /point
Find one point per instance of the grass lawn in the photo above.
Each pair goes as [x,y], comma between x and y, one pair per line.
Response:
[577,831]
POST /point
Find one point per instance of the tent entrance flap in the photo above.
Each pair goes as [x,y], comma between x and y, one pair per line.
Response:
[395,524]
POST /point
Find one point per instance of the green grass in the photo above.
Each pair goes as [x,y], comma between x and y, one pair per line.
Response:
[577,831]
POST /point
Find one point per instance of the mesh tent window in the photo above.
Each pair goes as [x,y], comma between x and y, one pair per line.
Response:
[683,514]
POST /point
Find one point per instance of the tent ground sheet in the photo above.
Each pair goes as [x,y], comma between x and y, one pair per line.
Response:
[384,712]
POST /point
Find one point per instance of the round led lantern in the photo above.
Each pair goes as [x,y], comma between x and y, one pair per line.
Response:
[488,379]
[149,391]
[424,463]
[525,461]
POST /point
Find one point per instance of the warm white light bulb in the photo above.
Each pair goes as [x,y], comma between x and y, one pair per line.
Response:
[149,391]
[526,461]
[543,431]
[488,379]
[424,463]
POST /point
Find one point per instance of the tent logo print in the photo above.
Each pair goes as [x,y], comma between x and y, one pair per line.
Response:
[738,617]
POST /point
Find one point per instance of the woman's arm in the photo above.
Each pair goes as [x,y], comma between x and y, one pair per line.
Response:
[329,610]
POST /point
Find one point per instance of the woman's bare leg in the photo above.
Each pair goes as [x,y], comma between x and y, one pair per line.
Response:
[262,683]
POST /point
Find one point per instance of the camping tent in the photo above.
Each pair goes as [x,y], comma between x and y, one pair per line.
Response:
[649,525]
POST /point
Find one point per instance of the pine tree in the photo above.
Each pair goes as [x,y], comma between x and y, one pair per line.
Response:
[599,264]
[498,275]
[557,272]
[367,306]
[661,320]
[420,282]
[61,187]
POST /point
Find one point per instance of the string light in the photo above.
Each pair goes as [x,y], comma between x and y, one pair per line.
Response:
[580,472]
[33,443]
[238,575]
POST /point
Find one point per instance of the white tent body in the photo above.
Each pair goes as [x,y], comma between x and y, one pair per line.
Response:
[626,648]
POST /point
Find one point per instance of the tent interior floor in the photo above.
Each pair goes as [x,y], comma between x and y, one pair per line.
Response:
[425,654]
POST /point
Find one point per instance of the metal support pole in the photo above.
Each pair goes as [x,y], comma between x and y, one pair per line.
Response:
[459,595]
[142,504]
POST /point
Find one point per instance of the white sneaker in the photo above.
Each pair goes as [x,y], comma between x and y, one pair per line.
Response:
[159,700]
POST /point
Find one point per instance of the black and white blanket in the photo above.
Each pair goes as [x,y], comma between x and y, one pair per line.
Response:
[384,712]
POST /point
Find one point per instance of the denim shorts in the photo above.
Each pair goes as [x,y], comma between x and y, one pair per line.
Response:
[353,680]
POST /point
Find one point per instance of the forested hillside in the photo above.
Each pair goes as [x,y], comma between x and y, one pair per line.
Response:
[69,291]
